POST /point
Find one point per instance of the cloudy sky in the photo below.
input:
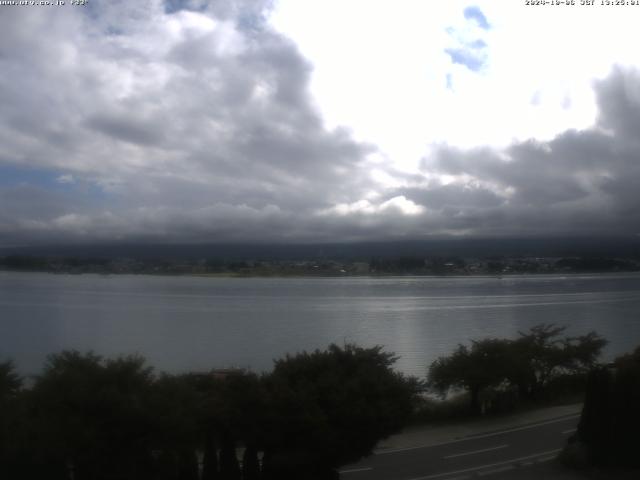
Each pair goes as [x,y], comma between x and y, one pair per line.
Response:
[317,120]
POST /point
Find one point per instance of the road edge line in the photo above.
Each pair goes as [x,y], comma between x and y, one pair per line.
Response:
[481,435]
[489,465]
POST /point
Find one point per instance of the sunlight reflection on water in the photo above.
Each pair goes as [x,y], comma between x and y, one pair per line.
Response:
[182,323]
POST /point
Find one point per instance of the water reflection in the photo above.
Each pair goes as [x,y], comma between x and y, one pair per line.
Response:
[186,323]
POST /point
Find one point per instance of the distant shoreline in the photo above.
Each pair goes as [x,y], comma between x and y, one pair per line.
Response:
[354,266]
[327,276]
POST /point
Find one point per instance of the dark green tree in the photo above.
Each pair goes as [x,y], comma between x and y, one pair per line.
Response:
[528,363]
[10,381]
[541,354]
[250,463]
[229,465]
[594,428]
[483,365]
[329,408]
[11,419]
[610,418]
[208,413]
[182,426]
[240,403]
[92,415]
[626,405]
[210,458]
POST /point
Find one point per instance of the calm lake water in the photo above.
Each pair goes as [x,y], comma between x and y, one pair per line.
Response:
[191,323]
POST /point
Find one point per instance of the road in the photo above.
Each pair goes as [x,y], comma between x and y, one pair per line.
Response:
[473,456]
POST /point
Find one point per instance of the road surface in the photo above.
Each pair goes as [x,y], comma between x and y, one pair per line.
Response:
[470,457]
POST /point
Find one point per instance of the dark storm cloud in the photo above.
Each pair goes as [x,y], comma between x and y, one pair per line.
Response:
[25,201]
[441,196]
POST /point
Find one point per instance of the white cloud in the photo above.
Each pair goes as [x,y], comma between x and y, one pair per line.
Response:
[381,69]
[399,204]
[208,124]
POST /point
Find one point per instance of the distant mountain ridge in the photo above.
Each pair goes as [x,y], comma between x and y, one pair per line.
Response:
[458,247]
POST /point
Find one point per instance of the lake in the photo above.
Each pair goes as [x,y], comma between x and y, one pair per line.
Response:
[197,323]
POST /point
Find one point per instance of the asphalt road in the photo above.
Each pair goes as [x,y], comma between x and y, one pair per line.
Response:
[476,456]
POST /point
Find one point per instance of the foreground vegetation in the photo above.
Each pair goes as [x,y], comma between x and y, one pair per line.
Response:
[497,374]
[90,418]
[607,434]
[86,417]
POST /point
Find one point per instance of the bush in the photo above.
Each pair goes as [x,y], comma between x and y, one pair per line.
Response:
[539,365]
[331,407]
[610,419]
[100,419]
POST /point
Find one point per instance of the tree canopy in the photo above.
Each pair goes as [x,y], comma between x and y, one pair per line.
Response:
[336,405]
[90,415]
[10,381]
[481,366]
[527,363]
[94,418]
[610,418]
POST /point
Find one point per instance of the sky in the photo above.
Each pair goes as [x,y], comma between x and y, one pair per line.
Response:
[309,121]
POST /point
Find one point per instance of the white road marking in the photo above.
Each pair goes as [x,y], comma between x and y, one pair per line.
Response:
[489,465]
[571,430]
[354,470]
[476,451]
[474,437]
[545,459]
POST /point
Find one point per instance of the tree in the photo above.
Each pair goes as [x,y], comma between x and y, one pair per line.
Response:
[541,354]
[10,418]
[250,463]
[527,363]
[483,365]
[240,403]
[626,404]
[92,417]
[594,428]
[610,418]
[182,424]
[329,408]
[10,381]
